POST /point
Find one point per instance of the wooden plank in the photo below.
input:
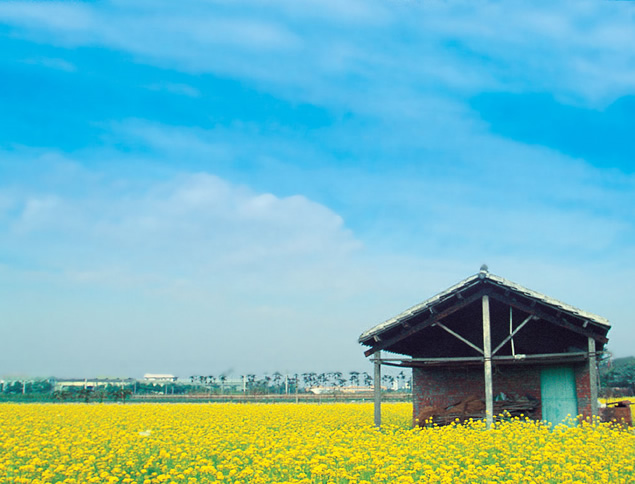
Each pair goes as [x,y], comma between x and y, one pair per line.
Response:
[487,366]
[542,356]
[536,356]
[548,317]
[473,360]
[551,357]
[424,324]
[434,360]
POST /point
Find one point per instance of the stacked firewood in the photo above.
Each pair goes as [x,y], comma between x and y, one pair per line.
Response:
[473,407]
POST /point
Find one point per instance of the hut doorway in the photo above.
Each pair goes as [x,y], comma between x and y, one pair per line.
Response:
[558,393]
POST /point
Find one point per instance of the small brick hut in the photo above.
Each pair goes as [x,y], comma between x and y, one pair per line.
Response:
[492,339]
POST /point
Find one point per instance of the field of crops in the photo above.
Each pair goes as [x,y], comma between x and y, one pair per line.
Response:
[305,443]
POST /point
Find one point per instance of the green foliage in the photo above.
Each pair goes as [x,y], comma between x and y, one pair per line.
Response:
[618,373]
[17,387]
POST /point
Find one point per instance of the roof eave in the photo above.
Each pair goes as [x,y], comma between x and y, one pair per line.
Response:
[368,337]
[418,308]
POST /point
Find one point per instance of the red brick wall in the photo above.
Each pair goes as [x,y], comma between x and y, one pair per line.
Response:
[445,386]
[583,389]
[441,387]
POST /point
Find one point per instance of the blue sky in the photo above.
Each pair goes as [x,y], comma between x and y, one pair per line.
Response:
[217,186]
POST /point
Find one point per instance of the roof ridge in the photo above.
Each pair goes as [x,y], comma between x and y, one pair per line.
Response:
[467,282]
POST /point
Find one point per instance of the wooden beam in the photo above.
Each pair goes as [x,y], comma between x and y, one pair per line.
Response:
[424,324]
[583,354]
[513,333]
[408,362]
[542,356]
[377,389]
[487,364]
[548,317]
[458,336]
[593,379]
[433,360]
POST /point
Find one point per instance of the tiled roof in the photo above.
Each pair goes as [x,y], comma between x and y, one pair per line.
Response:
[480,277]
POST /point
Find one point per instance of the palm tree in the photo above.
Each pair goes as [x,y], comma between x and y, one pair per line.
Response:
[321,379]
[211,379]
[251,382]
[277,381]
[368,380]
[388,380]
[354,378]
[339,379]
[402,378]
[266,384]
[309,379]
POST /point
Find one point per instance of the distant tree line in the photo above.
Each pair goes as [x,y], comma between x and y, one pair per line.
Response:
[278,383]
[252,384]
[617,376]
[17,387]
[120,391]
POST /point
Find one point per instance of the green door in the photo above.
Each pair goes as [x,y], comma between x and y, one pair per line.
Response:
[558,395]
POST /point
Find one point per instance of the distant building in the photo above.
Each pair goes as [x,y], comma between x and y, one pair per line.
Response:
[90,383]
[159,378]
[355,390]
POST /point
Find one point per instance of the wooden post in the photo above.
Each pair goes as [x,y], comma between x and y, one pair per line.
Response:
[487,356]
[377,389]
[593,378]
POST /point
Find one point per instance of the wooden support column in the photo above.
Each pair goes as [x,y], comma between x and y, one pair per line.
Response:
[377,389]
[487,356]
[593,378]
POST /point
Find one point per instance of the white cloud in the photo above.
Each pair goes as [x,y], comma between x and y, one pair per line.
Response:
[175,88]
[38,213]
[53,63]
[224,270]
[54,16]
[580,52]
[351,12]
[184,225]
[480,191]
[190,255]
[112,247]
[174,143]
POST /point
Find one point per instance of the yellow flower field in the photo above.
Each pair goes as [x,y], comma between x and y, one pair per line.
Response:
[305,443]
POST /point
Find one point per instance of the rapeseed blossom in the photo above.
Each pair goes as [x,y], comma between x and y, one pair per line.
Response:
[295,443]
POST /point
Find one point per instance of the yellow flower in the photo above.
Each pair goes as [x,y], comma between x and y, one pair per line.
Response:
[288,443]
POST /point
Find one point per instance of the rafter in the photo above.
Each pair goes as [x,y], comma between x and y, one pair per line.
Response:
[535,310]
